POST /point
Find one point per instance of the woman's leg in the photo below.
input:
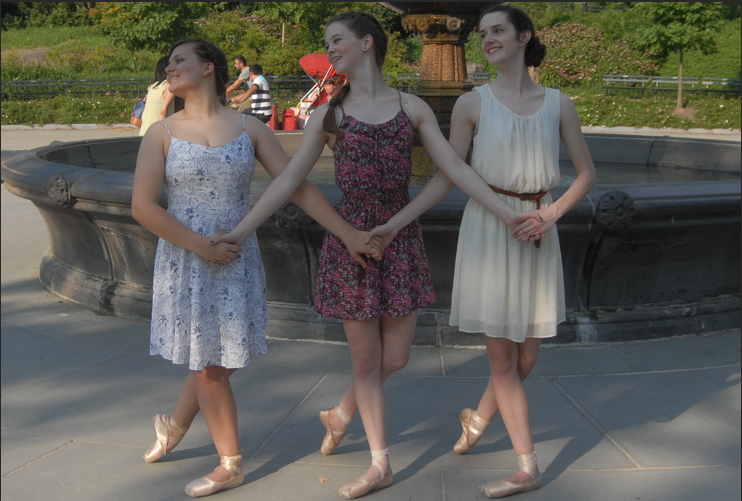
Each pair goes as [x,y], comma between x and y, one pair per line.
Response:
[217,404]
[527,355]
[396,341]
[378,348]
[510,397]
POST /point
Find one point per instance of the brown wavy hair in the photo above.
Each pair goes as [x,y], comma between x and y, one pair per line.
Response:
[360,24]
[535,50]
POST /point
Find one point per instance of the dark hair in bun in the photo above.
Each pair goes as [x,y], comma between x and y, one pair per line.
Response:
[535,50]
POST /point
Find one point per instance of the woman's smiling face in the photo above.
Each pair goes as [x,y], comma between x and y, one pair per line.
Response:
[343,47]
[185,68]
[500,41]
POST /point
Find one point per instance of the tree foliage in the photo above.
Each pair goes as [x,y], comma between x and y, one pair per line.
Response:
[149,25]
[678,26]
[45,14]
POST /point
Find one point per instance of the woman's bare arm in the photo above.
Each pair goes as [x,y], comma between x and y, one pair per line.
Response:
[309,197]
[571,134]
[148,180]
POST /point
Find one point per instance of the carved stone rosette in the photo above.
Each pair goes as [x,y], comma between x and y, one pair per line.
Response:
[615,210]
[292,216]
[443,39]
[58,189]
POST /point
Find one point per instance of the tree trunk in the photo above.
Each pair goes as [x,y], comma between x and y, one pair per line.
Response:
[680,82]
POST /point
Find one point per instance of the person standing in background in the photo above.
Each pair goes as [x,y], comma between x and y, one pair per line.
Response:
[159,103]
[260,107]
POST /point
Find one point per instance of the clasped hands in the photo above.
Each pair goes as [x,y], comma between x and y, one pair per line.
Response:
[224,247]
[524,226]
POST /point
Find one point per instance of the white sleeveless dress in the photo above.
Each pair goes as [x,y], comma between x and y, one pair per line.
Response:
[503,287]
[204,314]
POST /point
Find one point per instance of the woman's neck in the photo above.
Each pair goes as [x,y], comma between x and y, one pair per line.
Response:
[367,82]
[201,104]
[514,78]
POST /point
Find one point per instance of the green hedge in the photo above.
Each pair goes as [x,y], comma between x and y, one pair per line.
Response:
[112,109]
[656,111]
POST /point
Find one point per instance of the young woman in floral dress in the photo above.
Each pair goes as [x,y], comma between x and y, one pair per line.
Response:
[209,306]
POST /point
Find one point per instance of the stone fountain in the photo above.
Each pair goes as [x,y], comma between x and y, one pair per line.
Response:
[653,250]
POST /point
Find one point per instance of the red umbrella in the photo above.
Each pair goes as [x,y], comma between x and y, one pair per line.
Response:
[316,65]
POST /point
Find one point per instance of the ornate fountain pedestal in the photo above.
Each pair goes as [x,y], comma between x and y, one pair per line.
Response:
[445,29]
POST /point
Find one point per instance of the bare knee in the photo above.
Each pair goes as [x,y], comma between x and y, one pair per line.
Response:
[503,364]
[366,366]
[212,374]
[394,362]
[526,363]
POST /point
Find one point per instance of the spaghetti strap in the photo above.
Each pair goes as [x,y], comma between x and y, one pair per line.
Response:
[167,127]
[403,103]
[244,122]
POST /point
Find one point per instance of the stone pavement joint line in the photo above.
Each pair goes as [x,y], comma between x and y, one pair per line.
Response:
[608,435]
[288,416]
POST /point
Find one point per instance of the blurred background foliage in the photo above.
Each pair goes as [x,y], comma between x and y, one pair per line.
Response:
[94,39]
[58,40]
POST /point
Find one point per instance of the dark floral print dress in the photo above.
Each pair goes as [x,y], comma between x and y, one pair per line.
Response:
[372,169]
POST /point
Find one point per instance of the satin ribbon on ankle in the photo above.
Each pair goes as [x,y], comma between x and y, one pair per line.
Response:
[502,488]
[205,486]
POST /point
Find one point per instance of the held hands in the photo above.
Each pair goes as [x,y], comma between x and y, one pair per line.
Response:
[384,234]
[220,252]
[360,244]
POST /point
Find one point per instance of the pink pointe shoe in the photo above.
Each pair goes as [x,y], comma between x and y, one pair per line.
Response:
[473,426]
[502,488]
[333,437]
[168,433]
[360,487]
[205,487]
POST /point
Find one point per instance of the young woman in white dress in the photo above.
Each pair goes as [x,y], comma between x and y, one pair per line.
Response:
[209,305]
[505,285]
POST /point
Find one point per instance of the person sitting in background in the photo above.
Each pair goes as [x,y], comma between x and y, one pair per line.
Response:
[260,107]
[240,63]
[159,102]
[331,87]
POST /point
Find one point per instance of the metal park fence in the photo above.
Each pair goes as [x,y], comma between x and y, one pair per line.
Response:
[281,86]
[644,83]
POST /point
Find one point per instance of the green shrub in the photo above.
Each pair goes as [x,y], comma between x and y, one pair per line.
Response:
[656,111]
[44,14]
[16,71]
[68,110]
[148,25]
[577,55]
[106,61]
[30,38]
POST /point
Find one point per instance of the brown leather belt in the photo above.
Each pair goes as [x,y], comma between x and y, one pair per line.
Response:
[523,196]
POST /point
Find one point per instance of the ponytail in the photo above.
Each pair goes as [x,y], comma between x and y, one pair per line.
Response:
[329,123]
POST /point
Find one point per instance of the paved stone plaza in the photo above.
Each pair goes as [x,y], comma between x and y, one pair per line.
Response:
[649,421]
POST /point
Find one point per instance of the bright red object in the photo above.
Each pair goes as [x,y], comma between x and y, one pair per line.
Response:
[316,65]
